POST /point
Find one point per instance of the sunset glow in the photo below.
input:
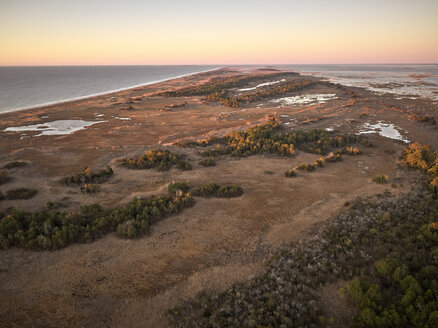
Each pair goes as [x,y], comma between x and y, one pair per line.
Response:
[217,32]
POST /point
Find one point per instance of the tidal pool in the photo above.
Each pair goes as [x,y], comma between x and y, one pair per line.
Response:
[59,127]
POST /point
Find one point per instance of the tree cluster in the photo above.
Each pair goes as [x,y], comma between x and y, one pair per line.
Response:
[87,176]
[214,190]
[52,229]
[15,165]
[422,157]
[157,158]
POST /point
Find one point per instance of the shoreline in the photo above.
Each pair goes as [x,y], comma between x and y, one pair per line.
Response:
[71,100]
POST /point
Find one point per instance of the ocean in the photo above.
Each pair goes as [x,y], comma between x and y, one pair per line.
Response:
[27,87]
[33,86]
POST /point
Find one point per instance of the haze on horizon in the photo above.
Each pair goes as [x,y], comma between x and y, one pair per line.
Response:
[50,32]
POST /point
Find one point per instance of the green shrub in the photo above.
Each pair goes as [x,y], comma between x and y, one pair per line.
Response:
[15,164]
[21,193]
[184,166]
[156,158]
[183,186]
[52,229]
[290,173]
[214,190]
[207,162]
[87,176]
[381,179]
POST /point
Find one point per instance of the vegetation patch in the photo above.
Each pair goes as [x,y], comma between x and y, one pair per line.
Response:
[87,176]
[386,250]
[15,165]
[421,157]
[184,166]
[381,179]
[268,139]
[290,174]
[214,190]
[157,158]
[207,162]
[21,193]
[52,229]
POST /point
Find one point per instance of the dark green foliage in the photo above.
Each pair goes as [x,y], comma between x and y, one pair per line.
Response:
[389,248]
[51,229]
[381,179]
[155,158]
[87,176]
[207,162]
[1,195]
[184,166]
[214,190]
[290,173]
[4,178]
[15,164]
[176,186]
[21,193]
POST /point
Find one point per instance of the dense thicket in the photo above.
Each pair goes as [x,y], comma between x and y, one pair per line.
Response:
[87,176]
[214,190]
[15,165]
[422,157]
[51,229]
[266,138]
[20,193]
[388,251]
[156,158]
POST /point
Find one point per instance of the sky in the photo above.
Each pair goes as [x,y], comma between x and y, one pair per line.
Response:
[164,32]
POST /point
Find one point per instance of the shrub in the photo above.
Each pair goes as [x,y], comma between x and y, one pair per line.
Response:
[52,229]
[207,162]
[4,178]
[184,166]
[21,193]
[183,186]
[421,157]
[319,162]
[87,176]
[306,167]
[332,157]
[214,190]
[229,191]
[2,197]
[290,173]
[154,158]
[90,188]
[15,164]
[381,179]
[350,151]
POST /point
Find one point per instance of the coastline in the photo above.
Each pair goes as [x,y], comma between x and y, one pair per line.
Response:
[93,95]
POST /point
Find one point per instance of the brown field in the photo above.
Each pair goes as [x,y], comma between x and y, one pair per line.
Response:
[133,283]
